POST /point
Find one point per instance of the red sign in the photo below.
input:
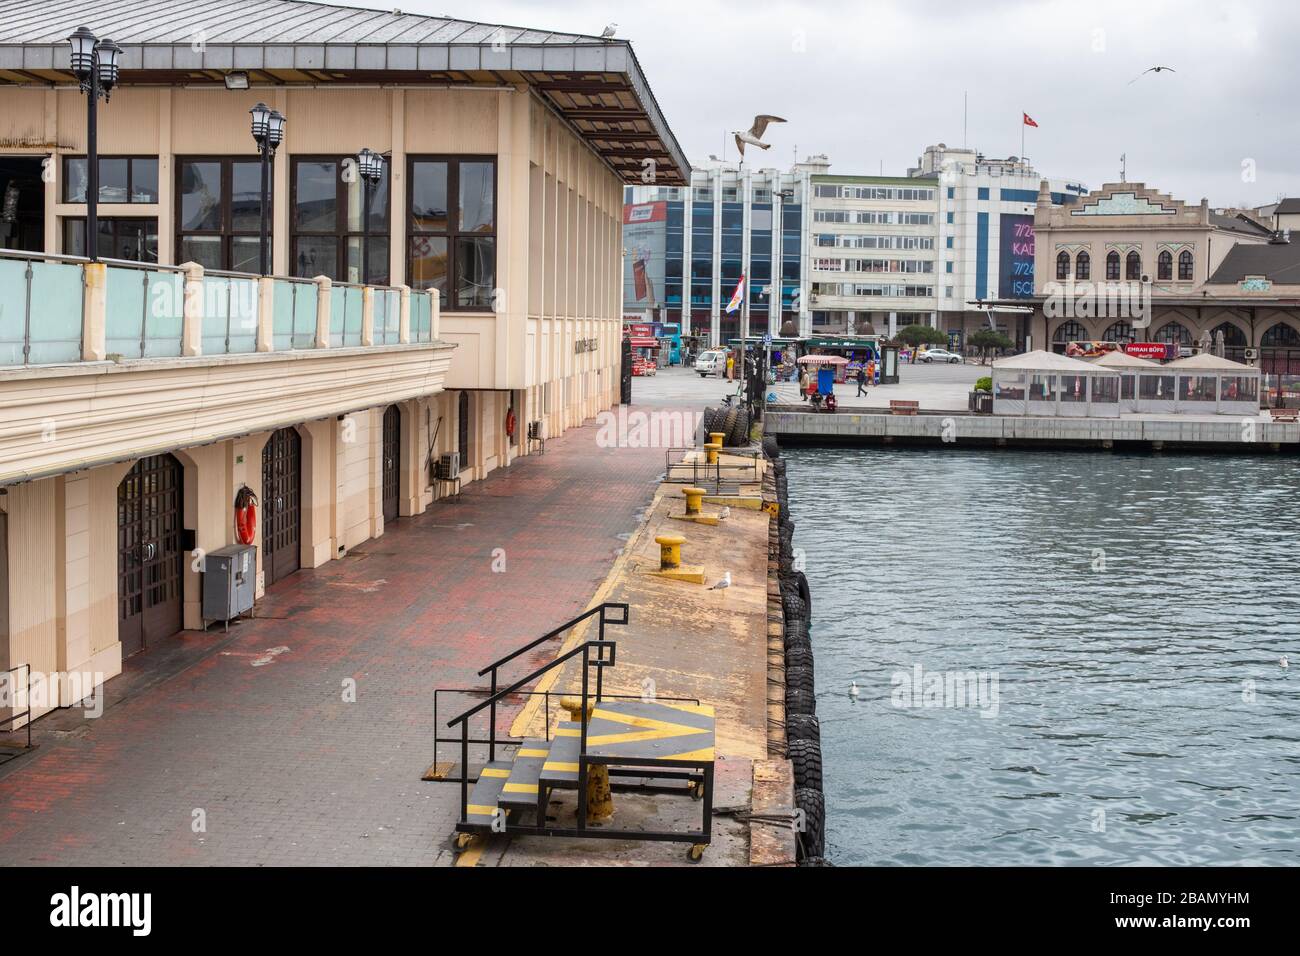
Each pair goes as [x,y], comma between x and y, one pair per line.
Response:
[1155,351]
[640,331]
[645,212]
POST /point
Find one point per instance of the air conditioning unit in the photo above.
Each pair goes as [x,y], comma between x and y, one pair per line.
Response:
[448,466]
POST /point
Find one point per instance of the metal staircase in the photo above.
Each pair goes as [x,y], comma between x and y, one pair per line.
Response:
[661,746]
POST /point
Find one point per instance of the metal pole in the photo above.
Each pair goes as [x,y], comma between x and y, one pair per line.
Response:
[92,162]
[365,228]
[265,149]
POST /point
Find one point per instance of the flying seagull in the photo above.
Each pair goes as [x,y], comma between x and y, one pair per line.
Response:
[609,32]
[1154,69]
[755,135]
[724,583]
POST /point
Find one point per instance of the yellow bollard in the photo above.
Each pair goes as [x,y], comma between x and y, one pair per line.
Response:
[711,449]
[718,438]
[694,496]
[600,799]
[670,551]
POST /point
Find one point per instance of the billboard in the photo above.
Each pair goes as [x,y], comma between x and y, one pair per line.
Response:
[645,231]
[1016,257]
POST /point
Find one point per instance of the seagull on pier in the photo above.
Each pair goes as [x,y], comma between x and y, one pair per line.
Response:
[724,514]
[724,583]
[754,137]
[610,30]
[1154,69]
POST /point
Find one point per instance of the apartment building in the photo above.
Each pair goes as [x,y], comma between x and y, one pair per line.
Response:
[477,292]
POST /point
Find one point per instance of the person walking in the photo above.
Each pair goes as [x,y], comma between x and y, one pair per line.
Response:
[871,371]
[862,380]
[803,385]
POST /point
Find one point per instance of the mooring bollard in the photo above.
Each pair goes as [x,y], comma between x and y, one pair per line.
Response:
[711,449]
[718,438]
[670,551]
[694,497]
[600,799]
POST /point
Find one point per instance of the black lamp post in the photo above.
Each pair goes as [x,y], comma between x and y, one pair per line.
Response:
[371,167]
[268,133]
[94,62]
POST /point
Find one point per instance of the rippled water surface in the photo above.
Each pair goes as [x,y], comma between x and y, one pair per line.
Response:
[1131,613]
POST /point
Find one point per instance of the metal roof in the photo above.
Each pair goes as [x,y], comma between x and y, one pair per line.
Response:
[597,85]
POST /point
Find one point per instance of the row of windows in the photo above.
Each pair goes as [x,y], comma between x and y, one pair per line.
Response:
[887,291]
[906,193]
[451,225]
[1132,265]
[828,241]
[874,218]
[1175,333]
[915,266]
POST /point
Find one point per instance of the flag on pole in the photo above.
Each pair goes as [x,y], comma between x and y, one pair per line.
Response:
[1029,120]
[737,297]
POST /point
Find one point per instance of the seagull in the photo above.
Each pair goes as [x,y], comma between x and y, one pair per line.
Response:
[1154,69]
[1284,663]
[724,514]
[853,690]
[724,583]
[609,32]
[755,134]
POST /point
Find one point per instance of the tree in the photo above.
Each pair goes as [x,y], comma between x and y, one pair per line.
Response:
[918,335]
[986,339]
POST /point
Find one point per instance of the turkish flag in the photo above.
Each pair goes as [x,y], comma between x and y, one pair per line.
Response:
[1029,121]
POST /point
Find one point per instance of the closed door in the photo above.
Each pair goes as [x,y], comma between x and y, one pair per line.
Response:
[149,557]
[281,494]
[392,458]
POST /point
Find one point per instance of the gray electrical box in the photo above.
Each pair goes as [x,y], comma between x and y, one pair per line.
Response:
[229,576]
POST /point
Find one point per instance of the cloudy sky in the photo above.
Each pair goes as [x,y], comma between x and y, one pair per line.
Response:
[871,83]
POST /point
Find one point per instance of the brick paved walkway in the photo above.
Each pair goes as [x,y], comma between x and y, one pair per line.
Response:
[285,771]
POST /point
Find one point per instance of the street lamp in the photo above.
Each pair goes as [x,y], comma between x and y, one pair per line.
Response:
[94,62]
[371,167]
[268,133]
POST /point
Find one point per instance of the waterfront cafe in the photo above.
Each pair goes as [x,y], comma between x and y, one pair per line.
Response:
[1044,383]
[1128,367]
[1207,384]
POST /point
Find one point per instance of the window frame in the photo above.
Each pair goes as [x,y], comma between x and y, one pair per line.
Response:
[1083,265]
[341,234]
[1188,260]
[65,179]
[227,231]
[65,221]
[1062,265]
[1113,260]
[449,301]
[1131,273]
[1165,266]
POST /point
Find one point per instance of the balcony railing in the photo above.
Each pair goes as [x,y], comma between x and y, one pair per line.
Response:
[57,310]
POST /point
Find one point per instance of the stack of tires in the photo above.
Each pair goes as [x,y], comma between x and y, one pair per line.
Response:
[733,422]
[803,732]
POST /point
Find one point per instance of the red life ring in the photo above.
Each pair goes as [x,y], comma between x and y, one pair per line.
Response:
[245,516]
[510,423]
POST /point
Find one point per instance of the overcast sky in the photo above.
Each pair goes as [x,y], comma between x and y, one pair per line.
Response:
[873,82]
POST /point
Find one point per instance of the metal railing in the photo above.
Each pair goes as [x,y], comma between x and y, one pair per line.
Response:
[144,309]
[42,301]
[698,472]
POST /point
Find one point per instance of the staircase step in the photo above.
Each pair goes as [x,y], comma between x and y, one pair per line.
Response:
[520,790]
[561,766]
[483,797]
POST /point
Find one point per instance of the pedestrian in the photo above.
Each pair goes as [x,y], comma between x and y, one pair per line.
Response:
[803,384]
[731,367]
[871,371]
[862,380]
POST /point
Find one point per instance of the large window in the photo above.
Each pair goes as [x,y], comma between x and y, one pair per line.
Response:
[1165,265]
[1062,265]
[1112,265]
[1185,262]
[1083,266]
[329,222]
[132,239]
[219,213]
[122,179]
[1133,266]
[452,231]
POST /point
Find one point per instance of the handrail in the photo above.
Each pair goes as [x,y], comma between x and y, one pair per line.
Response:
[582,648]
[564,627]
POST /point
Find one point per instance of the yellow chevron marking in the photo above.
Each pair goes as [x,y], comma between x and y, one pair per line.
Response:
[569,732]
[664,728]
[532,753]
[494,772]
[705,753]
[521,788]
[636,736]
[566,767]
[475,810]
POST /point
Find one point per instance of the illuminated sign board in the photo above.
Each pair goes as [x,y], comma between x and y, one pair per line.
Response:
[1016,257]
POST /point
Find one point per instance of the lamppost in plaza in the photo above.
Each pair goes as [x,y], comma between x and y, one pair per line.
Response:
[371,167]
[94,62]
[268,133]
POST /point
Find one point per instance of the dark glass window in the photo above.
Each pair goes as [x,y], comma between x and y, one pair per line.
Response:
[330,222]
[1185,266]
[219,212]
[1133,266]
[1083,266]
[135,240]
[1112,265]
[1164,265]
[1062,265]
[452,244]
[122,179]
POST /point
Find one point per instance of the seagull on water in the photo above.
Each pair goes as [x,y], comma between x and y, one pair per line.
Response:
[853,689]
[1154,69]
[1283,662]
[754,136]
[610,30]
[724,583]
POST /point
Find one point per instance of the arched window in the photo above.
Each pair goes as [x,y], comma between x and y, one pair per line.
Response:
[1164,265]
[1185,266]
[1070,331]
[1112,265]
[1118,332]
[1083,266]
[1233,337]
[1133,266]
[1063,265]
[1174,333]
[1281,336]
